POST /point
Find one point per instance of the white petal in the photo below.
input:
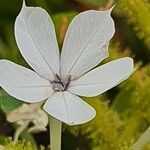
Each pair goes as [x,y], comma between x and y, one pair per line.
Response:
[23,83]
[102,78]
[36,39]
[69,108]
[86,42]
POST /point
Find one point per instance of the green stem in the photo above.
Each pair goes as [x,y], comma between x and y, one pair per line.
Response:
[55,134]
[19,131]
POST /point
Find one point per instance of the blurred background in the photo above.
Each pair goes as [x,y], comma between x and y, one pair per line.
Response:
[123,113]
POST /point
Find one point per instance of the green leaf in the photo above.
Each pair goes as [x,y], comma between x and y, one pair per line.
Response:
[123,99]
[28,138]
[8,103]
[57,19]
[93,2]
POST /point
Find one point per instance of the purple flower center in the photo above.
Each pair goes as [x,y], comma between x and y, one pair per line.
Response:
[60,83]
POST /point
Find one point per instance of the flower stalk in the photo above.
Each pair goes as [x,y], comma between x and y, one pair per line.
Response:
[55,134]
[19,131]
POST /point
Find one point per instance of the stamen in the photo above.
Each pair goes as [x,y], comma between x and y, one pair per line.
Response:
[61,84]
[57,76]
[69,79]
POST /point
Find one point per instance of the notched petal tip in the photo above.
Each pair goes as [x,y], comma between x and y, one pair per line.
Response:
[23,4]
[110,9]
[99,30]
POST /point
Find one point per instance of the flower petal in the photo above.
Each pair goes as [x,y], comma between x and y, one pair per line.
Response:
[36,39]
[86,42]
[69,108]
[102,78]
[23,83]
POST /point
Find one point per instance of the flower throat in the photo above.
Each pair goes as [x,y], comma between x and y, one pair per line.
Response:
[60,84]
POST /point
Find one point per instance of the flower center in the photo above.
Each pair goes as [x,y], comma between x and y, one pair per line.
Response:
[60,84]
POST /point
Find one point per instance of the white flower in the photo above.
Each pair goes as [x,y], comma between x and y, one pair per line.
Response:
[60,79]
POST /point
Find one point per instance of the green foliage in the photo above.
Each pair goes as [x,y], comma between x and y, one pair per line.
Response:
[57,19]
[94,2]
[147,146]
[137,13]
[103,129]
[8,103]
[7,144]
[118,125]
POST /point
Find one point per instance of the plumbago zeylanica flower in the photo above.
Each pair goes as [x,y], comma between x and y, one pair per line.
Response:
[59,79]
